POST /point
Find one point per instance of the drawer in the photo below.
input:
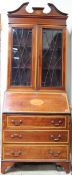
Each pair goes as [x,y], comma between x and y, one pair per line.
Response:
[37,121]
[35,136]
[35,152]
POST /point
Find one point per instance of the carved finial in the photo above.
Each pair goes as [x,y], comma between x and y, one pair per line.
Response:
[38,10]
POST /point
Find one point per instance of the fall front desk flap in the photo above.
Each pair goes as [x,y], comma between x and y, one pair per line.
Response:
[35,103]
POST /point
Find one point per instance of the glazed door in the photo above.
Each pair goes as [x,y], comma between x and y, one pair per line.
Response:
[22,66]
[51,58]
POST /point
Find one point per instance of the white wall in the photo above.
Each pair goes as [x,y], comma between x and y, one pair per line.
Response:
[8,5]
[71,69]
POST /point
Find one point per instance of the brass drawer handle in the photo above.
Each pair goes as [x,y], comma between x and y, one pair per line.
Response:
[56,138]
[17,123]
[16,154]
[16,136]
[56,123]
[54,153]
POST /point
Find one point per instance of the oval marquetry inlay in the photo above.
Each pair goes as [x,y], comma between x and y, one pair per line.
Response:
[36,102]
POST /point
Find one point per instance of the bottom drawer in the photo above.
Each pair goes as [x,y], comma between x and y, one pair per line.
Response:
[35,152]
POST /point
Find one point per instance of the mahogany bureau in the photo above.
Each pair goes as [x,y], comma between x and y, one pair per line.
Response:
[36,116]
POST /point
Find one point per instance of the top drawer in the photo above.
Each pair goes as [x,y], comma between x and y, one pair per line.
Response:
[24,122]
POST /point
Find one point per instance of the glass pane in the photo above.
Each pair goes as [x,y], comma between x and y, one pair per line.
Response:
[51,58]
[21,57]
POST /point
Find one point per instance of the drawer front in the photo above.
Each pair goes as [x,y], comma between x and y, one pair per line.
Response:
[35,152]
[35,136]
[36,122]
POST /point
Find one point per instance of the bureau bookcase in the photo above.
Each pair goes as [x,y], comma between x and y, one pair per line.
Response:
[36,115]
